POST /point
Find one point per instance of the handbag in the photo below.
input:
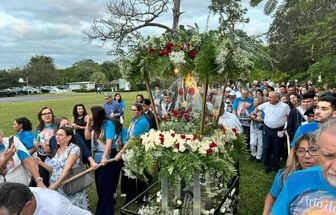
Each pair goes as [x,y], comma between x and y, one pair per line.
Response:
[79,183]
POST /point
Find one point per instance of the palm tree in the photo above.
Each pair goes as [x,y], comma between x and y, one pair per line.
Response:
[270,5]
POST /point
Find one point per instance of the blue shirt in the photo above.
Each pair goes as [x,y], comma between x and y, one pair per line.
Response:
[26,138]
[109,133]
[140,126]
[306,191]
[304,129]
[275,189]
[112,107]
[21,154]
[242,112]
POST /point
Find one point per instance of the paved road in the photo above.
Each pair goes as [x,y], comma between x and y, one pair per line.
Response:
[31,98]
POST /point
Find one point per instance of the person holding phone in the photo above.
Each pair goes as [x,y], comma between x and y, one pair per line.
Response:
[16,164]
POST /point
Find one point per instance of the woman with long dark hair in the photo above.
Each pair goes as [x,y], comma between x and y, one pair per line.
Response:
[44,131]
[117,97]
[79,122]
[101,130]
[306,156]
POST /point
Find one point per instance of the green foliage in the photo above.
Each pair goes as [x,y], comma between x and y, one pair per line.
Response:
[326,68]
[302,33]
[205,60]
[41,71]
[99,78]
[230,14]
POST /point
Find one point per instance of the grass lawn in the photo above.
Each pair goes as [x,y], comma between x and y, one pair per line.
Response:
[254,184]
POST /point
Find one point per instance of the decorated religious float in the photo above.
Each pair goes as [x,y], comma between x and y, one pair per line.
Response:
[195,159]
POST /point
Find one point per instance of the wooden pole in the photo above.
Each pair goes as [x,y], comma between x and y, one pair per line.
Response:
[204,107]
[151,100]
[84,172]
[222,100]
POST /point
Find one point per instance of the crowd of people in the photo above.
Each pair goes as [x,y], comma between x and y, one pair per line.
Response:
[269,115]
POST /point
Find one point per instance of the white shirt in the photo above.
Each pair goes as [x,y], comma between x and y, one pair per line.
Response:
[50,202]
[275,115]
[230,120]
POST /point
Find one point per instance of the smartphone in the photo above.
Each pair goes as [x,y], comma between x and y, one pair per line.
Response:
[10,141]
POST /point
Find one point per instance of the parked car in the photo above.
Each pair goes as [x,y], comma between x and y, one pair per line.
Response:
[7,93]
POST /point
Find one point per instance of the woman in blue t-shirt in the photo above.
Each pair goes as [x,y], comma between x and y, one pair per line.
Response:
[305,156]
[103,134]
[23,128]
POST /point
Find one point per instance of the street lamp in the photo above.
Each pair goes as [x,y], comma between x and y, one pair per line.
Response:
[24,81]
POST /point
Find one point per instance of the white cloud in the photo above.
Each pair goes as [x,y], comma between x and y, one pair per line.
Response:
[55,28]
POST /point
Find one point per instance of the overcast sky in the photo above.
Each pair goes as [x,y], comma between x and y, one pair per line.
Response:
[55,28]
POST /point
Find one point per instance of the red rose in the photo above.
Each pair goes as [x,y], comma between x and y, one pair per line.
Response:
[234,130]
[161,138]
[169,46]
[183,136]
[192,53]
[175,114]
[186,117]
[172,134]
[140,140]
[163,52]
[212,145]
[209,151]
[194,137]
[177,146]
[191,91]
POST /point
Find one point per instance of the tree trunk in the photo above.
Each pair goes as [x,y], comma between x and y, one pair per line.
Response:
[176,14]
[221,106]
[204,107]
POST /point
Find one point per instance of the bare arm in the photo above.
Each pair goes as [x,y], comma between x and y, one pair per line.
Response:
[118,156]
[87,130]
[68,165]
[29,164]
[32,150]
[39,162]
[269,201]
[9,152]
[107,150]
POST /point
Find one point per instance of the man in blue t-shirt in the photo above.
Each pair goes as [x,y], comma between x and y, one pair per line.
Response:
[313,191]
[242,106]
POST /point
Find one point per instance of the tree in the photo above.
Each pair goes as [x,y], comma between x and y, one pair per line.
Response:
[111,70]
[301,34]
[99,78]
[84,69]
[127,18]
[272,5]
[40,71]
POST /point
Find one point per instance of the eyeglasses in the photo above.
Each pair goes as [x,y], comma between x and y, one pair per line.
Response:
[45,114]
[312,151]
[133,109]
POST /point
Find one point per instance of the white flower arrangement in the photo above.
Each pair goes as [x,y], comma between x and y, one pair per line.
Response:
[177,58]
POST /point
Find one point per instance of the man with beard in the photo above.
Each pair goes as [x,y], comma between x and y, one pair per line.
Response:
[325,109]
[313,191]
